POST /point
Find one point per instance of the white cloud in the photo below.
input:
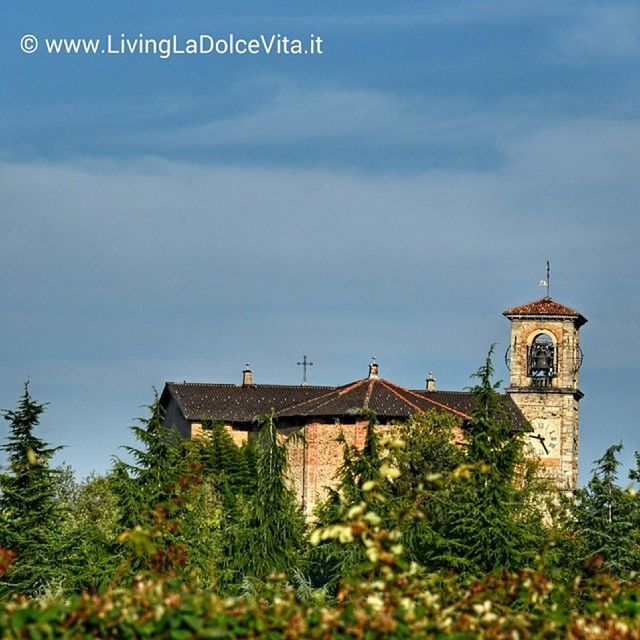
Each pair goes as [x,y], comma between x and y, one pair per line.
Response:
[600,32]
[117,276]
[124,242]
[294,115]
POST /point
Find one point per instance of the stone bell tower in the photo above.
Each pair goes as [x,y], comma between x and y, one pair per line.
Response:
[544,358]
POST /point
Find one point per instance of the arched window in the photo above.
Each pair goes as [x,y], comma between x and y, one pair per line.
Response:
[542,360]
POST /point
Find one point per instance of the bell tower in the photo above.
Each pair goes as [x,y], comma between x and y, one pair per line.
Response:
[544,359]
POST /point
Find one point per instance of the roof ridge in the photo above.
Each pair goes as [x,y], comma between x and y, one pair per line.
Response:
[431,401]
[367,396]
[320,401]
[392,387]
[349,386]
[231,385]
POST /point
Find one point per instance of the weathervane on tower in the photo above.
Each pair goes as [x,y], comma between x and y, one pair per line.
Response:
[546,281]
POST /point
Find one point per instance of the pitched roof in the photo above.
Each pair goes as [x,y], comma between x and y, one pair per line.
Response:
[391,401]
[241,404]
[234,403]
[386,399]
[545,307]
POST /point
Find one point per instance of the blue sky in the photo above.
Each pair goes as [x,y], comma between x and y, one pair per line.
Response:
[173,219]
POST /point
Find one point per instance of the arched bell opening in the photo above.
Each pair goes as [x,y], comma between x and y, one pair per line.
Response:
[541,360]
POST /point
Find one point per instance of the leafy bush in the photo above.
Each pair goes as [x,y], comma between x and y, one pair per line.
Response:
[422,538]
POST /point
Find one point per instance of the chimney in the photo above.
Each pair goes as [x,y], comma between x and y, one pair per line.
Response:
[373,369]
[247,376]
[431,382]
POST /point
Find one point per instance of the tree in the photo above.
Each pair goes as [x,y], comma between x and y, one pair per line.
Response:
[333,560]
[483,521]
[91,525]
[426,461]
[607,519]
[227,466]
[269,535]
[152,479]
[30,517]
[428,450]
[161,496]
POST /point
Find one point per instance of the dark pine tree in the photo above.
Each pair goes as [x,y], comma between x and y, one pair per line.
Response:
[29,514]
[152,495]
[152,481]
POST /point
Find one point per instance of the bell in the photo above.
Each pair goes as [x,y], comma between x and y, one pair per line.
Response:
[542,361]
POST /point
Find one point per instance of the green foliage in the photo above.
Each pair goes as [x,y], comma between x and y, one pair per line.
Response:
[332,560]
[168,516]
[152,480]
[484,521]
[269,534]
[426,460]
[385,598]
[358,466]
[230,468]
[465,508]
[607,519]
[423,537]
[428,450]
[91,526]
[30,517]
[521,605]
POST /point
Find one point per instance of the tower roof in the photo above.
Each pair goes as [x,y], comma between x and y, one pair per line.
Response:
[545,307]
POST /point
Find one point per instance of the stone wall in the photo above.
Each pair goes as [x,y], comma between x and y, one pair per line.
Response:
[565,336]
[316,459]
[555,417]
[552,410]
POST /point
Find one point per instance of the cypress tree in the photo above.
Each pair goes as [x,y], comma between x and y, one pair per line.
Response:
[269,536]
[247,481]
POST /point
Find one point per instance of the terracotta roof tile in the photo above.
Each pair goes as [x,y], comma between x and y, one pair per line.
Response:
[545,307]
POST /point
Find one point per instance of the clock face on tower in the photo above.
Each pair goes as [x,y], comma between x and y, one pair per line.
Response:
[545,441]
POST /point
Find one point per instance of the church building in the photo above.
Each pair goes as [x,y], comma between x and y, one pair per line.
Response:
[542,398]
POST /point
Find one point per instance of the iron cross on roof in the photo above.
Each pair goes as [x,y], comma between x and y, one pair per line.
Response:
[304,364]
